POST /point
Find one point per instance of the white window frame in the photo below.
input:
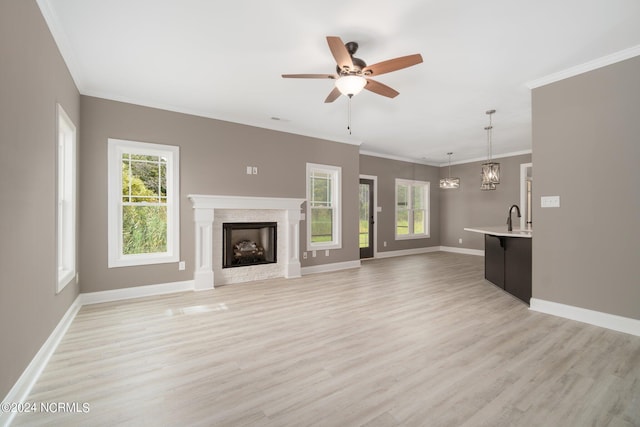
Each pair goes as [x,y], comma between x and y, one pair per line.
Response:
[336,205]
[117,147]
[66,199]
[427,210]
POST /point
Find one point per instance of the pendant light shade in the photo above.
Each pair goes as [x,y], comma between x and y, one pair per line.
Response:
[351,85]
[490,169]
[449,182]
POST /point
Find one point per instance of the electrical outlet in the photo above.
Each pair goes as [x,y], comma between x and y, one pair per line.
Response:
[304,255]
[460,241]
[255,170]
[384,243]
[181,265]
[313,254]
[326,252]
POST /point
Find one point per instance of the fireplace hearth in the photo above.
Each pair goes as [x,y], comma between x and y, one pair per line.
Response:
[249,243]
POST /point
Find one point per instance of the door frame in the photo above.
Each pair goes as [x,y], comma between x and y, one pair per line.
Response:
[374,178]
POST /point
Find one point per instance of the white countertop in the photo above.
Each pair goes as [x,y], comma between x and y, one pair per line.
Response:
[501,230]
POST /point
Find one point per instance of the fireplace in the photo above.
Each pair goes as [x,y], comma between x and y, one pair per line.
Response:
[249,243]
[212,211]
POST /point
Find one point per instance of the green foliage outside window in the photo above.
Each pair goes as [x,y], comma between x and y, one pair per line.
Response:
[144,210]
[321,207]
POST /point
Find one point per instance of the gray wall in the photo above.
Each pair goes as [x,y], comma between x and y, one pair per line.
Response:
[468,206]
[586,133]
[213,159]
[387,171]
[33,78]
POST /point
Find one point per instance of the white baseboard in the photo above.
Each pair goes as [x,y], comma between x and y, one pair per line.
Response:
[405,252]
[21,389]
[597,318]
[417,251]
[477,252]
[136,292]
[326,268]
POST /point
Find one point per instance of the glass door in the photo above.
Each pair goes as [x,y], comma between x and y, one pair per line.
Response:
[366,218]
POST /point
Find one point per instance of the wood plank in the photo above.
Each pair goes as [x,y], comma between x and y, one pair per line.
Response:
[416,340]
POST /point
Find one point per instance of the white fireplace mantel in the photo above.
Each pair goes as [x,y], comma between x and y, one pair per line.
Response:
[204,207]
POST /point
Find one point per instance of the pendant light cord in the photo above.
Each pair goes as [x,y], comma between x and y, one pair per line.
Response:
[489,130]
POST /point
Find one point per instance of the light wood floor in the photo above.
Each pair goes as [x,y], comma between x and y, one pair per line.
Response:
[413,341]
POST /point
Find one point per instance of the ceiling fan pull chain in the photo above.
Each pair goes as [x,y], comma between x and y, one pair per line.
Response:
[349,115]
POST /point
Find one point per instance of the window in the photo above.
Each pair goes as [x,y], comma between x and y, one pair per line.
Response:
[323,207]
[143,203]
[412,209]
[66,198]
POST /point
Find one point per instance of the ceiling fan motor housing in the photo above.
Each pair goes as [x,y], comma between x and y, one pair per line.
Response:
[358,64]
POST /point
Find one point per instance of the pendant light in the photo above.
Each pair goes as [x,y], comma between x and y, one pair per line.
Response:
[490,169]
[449,182]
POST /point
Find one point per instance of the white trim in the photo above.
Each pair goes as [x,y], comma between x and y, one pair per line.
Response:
[466,251]
[426,185]
[441,165]
[115,149]
[597,318]
[202,201]
[21,389]
[586,67]
[66,198]
[374,178]
[336,206]
[62,42]
[135,292]
[398,158]
[523,193]
[483,159]
[326,268]
[404,252]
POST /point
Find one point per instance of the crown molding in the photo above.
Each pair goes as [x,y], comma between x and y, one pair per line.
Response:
[587,66]
[399,158]
[483,159]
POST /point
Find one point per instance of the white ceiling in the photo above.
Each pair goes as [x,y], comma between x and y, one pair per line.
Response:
[225,59]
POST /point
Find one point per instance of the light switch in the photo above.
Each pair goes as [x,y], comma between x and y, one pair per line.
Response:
[249,170]
[550,201]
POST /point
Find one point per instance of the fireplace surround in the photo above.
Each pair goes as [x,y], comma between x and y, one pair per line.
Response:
[211,211]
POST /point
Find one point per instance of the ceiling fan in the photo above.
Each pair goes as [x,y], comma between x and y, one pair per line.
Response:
[353,74]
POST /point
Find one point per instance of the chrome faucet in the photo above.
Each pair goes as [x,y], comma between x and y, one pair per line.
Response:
[509,222]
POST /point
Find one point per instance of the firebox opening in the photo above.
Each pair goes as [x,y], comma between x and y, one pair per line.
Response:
[249,243]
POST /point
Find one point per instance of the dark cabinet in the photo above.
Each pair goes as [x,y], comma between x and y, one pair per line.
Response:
[508,264]
[494,260]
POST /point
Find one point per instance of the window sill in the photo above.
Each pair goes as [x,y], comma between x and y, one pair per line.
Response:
[412,236]
[142,260]
[323,247]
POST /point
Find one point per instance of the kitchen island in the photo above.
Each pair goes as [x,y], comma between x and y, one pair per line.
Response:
[507,259]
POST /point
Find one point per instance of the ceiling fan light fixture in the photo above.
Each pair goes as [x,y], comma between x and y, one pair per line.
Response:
[350,85]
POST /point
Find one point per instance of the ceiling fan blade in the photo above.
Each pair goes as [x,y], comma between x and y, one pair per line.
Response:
[340,52]
[333,95]
[310,76]
[381,89]
[393,64]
